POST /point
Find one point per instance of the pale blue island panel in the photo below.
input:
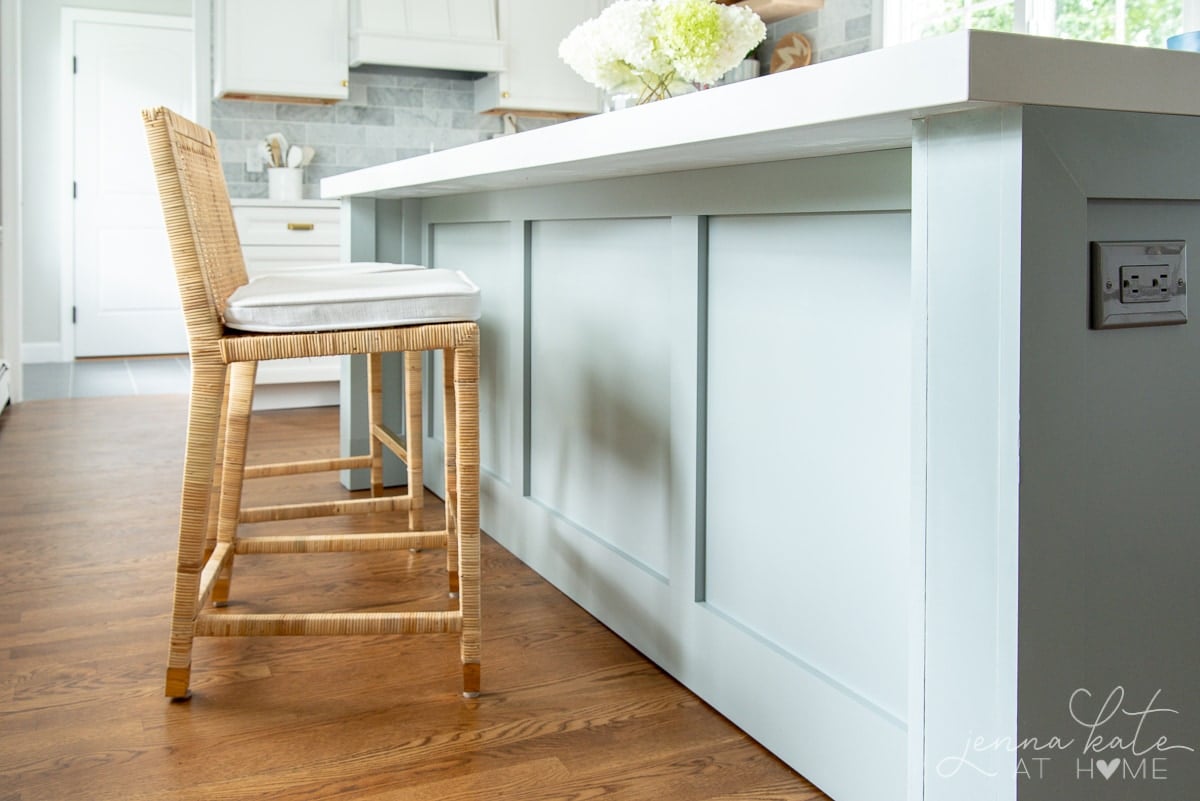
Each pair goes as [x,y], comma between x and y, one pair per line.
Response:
[808,440]
[805,404]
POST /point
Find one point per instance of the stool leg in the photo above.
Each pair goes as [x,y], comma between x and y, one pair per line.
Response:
[237,429]
[450,438]
[374,418]
[466,402]
[204,416]
[210,539]
[413,438]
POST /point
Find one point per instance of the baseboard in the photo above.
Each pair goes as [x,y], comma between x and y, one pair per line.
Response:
[5,386]
[41,352]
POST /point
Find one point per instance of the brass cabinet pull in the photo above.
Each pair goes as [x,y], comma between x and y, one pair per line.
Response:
[300,226]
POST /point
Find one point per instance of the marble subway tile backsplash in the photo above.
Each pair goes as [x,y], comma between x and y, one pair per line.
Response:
[841,28]
[392,113]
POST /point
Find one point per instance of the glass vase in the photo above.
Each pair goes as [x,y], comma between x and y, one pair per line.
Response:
[655,87]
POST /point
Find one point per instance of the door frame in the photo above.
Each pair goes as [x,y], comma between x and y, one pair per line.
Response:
[71,17]
[10,190]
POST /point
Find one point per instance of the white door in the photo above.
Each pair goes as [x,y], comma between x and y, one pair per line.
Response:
[126,301]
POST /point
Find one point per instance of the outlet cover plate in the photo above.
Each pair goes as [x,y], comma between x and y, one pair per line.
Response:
[1139,283]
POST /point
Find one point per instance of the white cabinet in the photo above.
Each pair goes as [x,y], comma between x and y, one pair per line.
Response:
[279,235]
[534,78]
[448,34]
[290,50]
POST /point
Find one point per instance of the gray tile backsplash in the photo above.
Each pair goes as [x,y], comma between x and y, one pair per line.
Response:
[841,28]
[392,113]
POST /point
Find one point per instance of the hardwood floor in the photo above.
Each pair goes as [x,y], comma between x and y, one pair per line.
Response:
[88,502]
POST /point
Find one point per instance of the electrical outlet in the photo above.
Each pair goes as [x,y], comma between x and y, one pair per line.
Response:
[1139,283]
[1148,284]
[254,162]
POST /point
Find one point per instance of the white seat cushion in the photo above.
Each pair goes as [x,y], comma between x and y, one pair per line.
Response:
[332,300]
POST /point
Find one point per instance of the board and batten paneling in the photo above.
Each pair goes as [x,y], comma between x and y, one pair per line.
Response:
[599,351]
[658,369]
[808,441]
[966,209]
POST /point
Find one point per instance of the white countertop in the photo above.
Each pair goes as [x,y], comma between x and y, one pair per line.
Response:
[859,103]
[306,203]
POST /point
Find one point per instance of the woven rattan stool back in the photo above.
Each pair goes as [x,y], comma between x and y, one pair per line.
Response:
[204,242]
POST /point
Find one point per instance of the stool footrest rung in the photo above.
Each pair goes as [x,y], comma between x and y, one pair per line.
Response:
[391,440]
[295,511]
[220,624]
[311,466]
[338,543]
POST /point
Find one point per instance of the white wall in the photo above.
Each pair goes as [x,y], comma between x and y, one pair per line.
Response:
[43,166]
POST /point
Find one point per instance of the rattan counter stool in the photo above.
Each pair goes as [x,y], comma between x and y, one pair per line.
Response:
[234,323]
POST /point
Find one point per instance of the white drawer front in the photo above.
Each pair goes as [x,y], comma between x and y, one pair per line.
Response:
[292,227]
[264,259]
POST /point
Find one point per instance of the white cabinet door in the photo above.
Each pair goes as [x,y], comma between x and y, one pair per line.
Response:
[535,78]
[449,34]
[293,49]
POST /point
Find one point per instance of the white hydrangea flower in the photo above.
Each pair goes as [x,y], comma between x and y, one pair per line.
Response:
[610,50]
[656,47]
[629,28]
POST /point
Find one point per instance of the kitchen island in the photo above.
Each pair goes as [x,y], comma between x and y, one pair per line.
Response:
[791,384]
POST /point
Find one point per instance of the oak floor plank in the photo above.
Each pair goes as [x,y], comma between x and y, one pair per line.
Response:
[89,494]
[516,781]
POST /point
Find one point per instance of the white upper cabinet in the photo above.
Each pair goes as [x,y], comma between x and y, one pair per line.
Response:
[448,34]
[281,49]
[534,78]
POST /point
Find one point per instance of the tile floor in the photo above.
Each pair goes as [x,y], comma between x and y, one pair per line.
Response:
[89,378]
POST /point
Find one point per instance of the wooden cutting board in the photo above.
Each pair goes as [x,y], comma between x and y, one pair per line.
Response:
[793,50]
[775,10]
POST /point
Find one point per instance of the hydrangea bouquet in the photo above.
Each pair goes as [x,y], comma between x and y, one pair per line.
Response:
[655,48]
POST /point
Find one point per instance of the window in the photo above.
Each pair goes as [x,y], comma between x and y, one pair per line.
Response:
[1137,22]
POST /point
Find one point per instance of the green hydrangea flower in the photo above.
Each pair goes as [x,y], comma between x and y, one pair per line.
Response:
[690,33]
